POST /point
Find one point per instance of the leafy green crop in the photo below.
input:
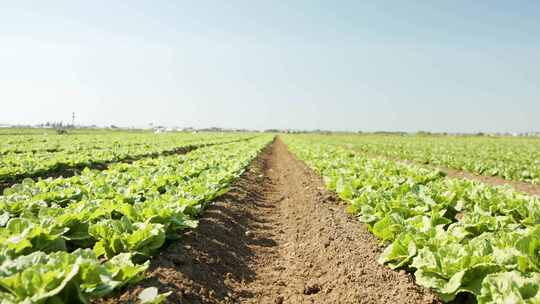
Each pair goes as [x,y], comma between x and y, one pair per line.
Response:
[62,277]
[34,155]
[506,157]
[456,235]
[119,215]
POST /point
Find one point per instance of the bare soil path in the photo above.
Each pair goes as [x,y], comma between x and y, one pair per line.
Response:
[277,237]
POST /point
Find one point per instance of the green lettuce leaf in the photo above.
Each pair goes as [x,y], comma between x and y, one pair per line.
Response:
[510,287]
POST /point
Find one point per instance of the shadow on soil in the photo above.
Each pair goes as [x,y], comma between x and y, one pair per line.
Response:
[199,267]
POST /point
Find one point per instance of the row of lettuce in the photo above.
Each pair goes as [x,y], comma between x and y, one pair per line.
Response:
[73,141]
[455,235]
[68,240]
[47,141]
[512,158]
[35,155]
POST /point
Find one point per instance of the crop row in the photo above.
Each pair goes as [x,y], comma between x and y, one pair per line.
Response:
[87,153]
[455,235]
[46,142]
[71,239]
[96,140]
[509,158]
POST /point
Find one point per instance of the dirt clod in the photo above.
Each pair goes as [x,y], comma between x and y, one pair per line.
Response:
[312,289]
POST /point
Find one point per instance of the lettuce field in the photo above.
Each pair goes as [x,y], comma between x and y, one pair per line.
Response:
[101,216]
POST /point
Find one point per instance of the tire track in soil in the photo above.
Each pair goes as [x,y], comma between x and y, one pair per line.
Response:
[277,237]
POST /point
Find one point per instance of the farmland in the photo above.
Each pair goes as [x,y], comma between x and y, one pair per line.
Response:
[506,157]
[455,235]
[32,156]
[117,216]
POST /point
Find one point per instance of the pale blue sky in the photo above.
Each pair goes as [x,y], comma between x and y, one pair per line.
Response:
[342,65]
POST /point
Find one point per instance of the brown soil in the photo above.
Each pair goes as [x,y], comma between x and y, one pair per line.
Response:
[277,237]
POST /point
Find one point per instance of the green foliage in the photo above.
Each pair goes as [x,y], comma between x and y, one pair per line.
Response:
[62,277]
[456,235]
[506,157]
[510,287]
[38,154]
[123,213]
[117,236]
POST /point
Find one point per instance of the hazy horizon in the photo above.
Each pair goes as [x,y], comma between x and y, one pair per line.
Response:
[445,66]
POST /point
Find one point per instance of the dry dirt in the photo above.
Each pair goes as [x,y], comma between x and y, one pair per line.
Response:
[277,237]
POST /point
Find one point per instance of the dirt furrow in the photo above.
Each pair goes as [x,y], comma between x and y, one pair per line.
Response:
[277,237]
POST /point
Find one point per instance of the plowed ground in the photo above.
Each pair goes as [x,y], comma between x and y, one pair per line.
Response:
[277,237]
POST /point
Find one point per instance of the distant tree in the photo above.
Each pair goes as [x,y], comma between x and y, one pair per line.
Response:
[61,131]
[423,133]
